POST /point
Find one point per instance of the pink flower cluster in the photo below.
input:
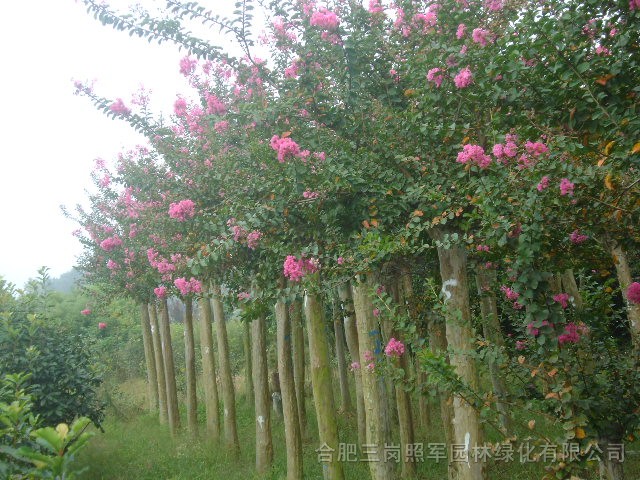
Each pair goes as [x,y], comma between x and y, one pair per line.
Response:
[521,344]
[286,148]
[531,330]
[294,269]
[244,296]
[110,243]
[187,65]
[566,187]
[86,311]
[354,366]
[325,19]
[577,238]
[161,292]
[161,264]
[461,30]
[571,334]
[186,287]
[562,299]
[102,325]
[308,194]
[435,76]
[481,36]
[509,293]
[483,248]
[119,107]
[543,184]
[464,78]
[395,348]
[633,293]
[253,238]
[474,154]
[375,7]
[182,210]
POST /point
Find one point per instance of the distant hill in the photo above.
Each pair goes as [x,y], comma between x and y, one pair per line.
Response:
[66,282]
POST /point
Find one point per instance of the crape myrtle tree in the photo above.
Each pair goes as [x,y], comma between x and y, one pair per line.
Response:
[465,126]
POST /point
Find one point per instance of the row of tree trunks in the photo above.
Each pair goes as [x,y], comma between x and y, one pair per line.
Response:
[159,363]
[169,369]
[209,369]
[149,357]
[292,434]
[190,369]
[343,378]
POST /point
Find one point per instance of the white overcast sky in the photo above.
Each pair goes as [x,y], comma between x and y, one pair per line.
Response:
[49,138]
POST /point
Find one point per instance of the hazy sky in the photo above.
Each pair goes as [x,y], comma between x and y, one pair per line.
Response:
[49,137]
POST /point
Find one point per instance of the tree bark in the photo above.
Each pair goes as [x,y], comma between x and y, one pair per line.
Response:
[264,445]
[159,362]
[571,287]
[486,283]
[152,374]
[624,278]
[321,383]
[610,468]
[190,369]
[351,336]
[226,378]
[455,291]
[372,386]
[297,335]
[343,379]
[169,369]
[248,373]
[209,369]
[287,387]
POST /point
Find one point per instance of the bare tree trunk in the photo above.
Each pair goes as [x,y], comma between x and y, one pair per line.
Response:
[248,372]
[287,387]
[438,345]
[455,290]
[169,369]
[351,335]
[297,335]
[226,379]
[486,283]
[321,382]
[624,278]
[264,445]
[190,370]
[610,468]
[159,362]
[571,287]
[369,344]
[209,369]
[343,379]
[152,374]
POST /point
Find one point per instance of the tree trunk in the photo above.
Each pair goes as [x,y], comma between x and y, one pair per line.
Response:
[209,369]
[152,374]
[571,287]
[611,468]
[624,278]
[264,445]
[287,387]
[486,283]
[159,362]
[343,379]
[351,335]
[297,335]
[169,369]
[372,385]
[321,383]
[460,338]
[438,345]
[190,369]
[248,372]
[226,379]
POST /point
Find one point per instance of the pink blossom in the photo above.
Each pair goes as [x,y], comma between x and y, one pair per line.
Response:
[531,330]
[428,19]
[510,149]
[354,366]
[562,299]
[111,265]
[543,184]
[182,210]
[380,290]
[253,238]
[110,243]
[291,71]
[464,78]
[633,293]
[340,260]
[376,312]
[294,268]
[494,5]
[105,181]
[435,77]
[536,148]
[244,296]
[481,36]
[310,195]
[375,7]
[634,5]
[498,150]
[521,344]
[603,51]
[460,32]
[509,293]
[325,19]
[215,106]
[119,107]
[182,285]
[187,65]
[395,348]
[566,187]
[86,311]
[221,126]
[180,107]
[102,325]
[570,334]
[368,356]
[474,154]
[577,238]
[285,147]
[161,292]
[483,248]
[371,367]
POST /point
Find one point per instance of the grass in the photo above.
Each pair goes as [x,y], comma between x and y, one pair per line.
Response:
[135,446]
